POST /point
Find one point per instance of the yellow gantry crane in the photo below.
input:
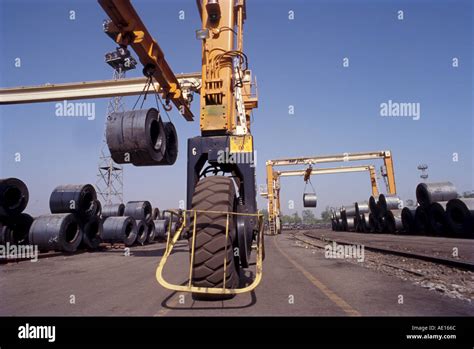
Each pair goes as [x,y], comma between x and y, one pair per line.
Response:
[273,176]
[221,193]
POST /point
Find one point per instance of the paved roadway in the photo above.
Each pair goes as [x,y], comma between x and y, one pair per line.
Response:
[296,281]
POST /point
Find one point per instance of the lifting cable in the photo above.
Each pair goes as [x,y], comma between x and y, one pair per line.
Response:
[144,92]
[149,82]
[311,184]
[160,101]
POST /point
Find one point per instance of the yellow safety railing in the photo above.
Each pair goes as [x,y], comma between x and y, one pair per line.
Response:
[189,287]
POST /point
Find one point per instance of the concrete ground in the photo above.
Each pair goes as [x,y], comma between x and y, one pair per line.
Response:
[297,281]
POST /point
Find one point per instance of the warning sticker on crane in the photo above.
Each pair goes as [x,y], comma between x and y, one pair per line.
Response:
[241,144]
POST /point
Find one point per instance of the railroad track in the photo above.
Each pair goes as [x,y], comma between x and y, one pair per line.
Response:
[433,259]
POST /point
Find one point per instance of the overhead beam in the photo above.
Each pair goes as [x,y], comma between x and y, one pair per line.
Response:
[386,155]
[320,171]
[83,90]
[330,158]
[332,170]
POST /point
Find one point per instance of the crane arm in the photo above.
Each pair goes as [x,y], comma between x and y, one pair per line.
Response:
[128,29]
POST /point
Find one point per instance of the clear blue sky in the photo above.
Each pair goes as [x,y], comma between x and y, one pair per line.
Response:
[297,62]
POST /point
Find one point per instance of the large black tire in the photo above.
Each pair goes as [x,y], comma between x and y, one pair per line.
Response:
[214,194]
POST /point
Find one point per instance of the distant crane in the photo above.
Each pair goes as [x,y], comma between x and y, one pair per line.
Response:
[273,177]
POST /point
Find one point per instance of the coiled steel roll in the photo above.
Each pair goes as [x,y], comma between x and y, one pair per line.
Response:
[408,220]
[71,198]
[59,232]
[350,211]
[13,197]
[439,219]
[142,232]
[310,200]
[171,153]
[427,193]
[365,223]
[18,229]
[139,210]
[372,223]
[373,206]
[5,232]
[119,229]
[350,224]
[460,214]
[91,232]
[151,232]
[156,214]
[422,220]
[137,137]
[343,219]
[387,203]
[361,208]
[161,227]
[393,221]
[381,227]
[115,210]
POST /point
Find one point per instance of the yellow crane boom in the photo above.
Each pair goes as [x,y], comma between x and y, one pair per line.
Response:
[128,29]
